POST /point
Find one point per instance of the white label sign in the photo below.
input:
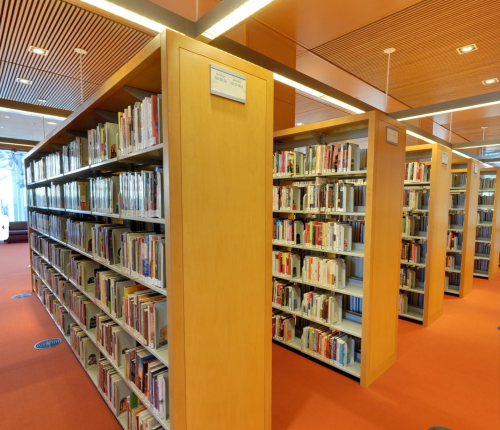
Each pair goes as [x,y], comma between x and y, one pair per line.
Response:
[228,84]
[392,135]
[476,168]
[444,158]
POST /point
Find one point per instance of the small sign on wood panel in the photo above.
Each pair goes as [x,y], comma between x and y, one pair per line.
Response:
[228,84]
[392,135]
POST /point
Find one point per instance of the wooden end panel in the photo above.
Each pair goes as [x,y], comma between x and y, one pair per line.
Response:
[382,248]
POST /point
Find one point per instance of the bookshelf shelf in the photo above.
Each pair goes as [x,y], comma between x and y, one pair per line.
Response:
[487,249]
[411,263]
[461,278]
[103,214]
[380,253]
[194,362]
[425,302]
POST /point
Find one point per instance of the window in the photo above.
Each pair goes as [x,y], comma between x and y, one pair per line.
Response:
[12,187]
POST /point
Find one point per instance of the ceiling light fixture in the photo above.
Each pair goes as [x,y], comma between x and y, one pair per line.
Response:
[299,123]
[496,102]
[23,81]
[39,51]
[6,116]
[315,93]
[490,81]
[467,48]
[487,165]
[42,101]
[235,17]
[25,112]
[418,136]
[51,123]
[127,14]
[460,153]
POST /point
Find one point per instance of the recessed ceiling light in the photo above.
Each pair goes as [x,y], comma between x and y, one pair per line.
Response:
[51,123]
[23,81]
[467,48]
[6,117]
[39,51]
[80,51]
[42,101]
[490,81]
[299,123]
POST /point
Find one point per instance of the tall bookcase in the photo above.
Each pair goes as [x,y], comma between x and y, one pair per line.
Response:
[467,229]
[487,210]
[426,300]
[375,327]
[221,378]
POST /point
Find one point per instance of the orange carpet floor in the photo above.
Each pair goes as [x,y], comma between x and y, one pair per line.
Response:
[40,389]
[446,375]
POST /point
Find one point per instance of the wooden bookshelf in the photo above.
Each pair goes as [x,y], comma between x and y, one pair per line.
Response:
[471,168]
[493,256]
[384,185]
[438,187]
[200,163]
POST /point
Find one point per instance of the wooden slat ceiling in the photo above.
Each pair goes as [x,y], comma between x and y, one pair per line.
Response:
[59,27]
[426,68]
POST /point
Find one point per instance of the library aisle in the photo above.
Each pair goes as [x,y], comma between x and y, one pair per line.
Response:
[446,370]
[445,375]
[40,384]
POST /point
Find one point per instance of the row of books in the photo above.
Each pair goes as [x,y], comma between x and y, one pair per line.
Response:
[75,155]
[482,265]
[410,277]
[415,199]
[331,345]
[142,310]
[141,193]
[417,172]
[483,232]
[484,216]
[153,383]
[452,281]
[458,180]
[483,199]
[320,159]
[483,248]
[77,195]
[138,416]
[485,183]
[140,125]
[36,171]
[323,307]
[102,142]
[454,240]
[150,376]
[104,195]
[320,197]
[457,201]
[328,236]
[456,219]
[38,197]
[414,252]
[413,224]
[454,261]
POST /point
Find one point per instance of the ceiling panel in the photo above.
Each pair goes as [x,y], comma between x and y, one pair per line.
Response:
[308,109]
[425,68]
[471,130]
[314,22]
[187,8]
[60,27]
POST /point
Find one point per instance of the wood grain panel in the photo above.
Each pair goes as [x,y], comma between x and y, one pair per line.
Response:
[384,190]
[60,27]
[220,234]
[437,234]
[425,69]
[309,110]
[469,233]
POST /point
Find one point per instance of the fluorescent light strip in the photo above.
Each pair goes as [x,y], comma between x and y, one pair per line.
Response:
[418,136]
[460,153]
[25,112]
[450,110]
[315,93]
[17,144]
[127,14]
[235,17]
[487,165]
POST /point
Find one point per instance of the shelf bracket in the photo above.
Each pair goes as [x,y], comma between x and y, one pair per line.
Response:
[138,93]
[77,133]
[107,114]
